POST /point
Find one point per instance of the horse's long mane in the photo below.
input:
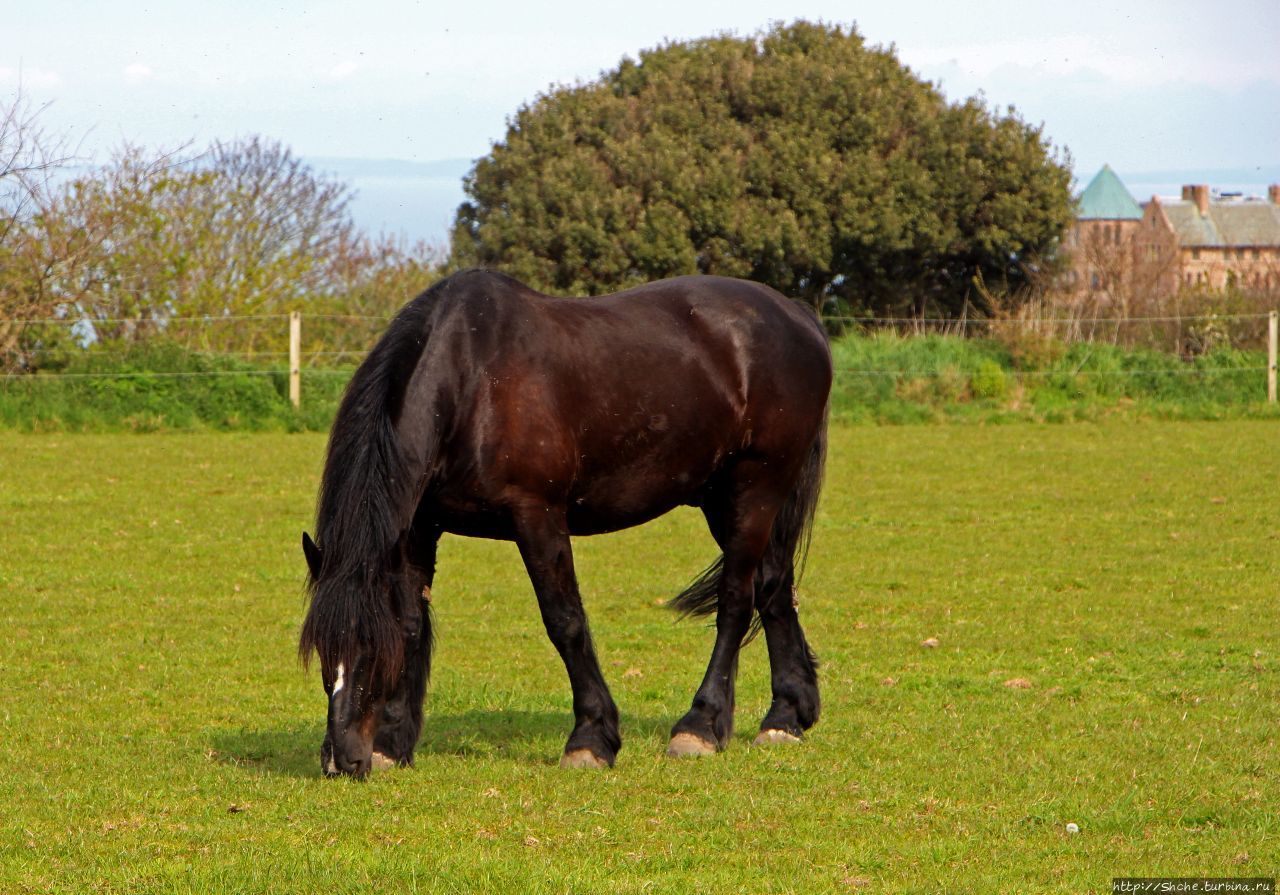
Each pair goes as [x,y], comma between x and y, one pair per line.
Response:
[360,513]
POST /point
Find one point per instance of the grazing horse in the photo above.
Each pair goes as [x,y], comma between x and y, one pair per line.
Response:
[490,410]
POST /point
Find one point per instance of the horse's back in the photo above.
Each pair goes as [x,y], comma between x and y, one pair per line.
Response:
[773,345]
[625,405]
[704,305]
[490,293]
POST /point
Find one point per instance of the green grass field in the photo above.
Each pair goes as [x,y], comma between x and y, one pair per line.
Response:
[159,734]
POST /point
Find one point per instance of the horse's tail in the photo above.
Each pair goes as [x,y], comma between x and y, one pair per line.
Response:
[785,556]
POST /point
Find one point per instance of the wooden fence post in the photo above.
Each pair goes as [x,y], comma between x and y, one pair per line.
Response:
[295,358]
[1271,357]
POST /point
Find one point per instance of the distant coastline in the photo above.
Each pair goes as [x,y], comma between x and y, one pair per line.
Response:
[1142,185]
[418,200]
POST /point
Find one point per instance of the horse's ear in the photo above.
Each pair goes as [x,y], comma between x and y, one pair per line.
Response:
[312,553]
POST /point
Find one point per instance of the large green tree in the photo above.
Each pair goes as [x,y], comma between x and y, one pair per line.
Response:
[800,157]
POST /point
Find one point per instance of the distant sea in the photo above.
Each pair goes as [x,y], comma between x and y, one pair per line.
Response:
[418,200]
[1143,185]
[413,200]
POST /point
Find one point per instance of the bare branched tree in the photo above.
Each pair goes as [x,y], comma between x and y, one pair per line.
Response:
[184,245]
[245,228]
[29,158]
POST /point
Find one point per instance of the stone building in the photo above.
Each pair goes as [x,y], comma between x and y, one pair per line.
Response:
[1218,240]
[1101,241]
[1121,251]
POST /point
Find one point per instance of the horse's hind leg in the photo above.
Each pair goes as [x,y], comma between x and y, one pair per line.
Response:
[793,668]
[543,538]
[742,528]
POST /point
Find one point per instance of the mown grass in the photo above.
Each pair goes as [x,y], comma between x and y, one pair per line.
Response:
[159,734]
[880,378]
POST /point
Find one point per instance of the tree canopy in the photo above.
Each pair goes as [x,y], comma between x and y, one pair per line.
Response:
[799,157]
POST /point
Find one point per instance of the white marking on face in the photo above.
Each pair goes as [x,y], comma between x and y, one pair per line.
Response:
[337,681]
[332,767]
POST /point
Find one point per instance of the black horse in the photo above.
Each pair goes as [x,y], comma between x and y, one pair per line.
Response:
[490,410]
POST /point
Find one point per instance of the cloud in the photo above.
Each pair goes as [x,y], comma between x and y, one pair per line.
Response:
[1115,59]
[344,70]
[1133,127]
[38,78]
[136,72]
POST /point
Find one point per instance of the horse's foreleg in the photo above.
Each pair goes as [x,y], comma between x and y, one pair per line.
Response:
[708,724]
[543,539]
[401,722]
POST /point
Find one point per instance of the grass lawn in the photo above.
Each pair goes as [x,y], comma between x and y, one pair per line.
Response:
[159,734]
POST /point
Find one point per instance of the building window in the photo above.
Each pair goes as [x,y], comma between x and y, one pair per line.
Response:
[1195,254]
[1256,254]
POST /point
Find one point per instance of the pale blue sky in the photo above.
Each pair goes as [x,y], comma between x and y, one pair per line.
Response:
[1180,84]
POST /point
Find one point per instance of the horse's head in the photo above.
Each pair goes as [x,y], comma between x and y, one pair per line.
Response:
[364,629]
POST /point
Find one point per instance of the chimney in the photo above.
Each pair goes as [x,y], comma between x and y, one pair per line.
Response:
[1197,193]
[1273,193]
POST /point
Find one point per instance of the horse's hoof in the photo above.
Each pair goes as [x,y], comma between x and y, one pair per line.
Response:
[685,745]
[582,758]
[382,762]
[773,737]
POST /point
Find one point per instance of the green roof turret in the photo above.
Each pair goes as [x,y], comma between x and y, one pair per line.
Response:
[1106,199]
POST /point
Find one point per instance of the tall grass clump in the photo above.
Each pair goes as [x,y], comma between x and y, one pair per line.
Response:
[885,377]
[162,386]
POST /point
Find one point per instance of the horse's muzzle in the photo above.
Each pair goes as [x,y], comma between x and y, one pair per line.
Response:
[354,761]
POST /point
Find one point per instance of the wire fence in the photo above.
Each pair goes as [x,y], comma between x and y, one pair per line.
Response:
[962,322]
[1025,374]
[274,346]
